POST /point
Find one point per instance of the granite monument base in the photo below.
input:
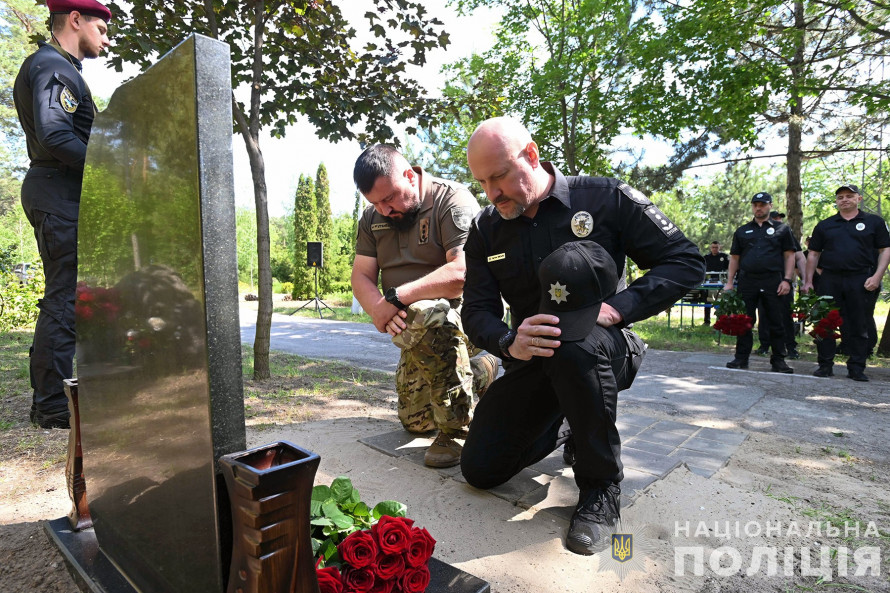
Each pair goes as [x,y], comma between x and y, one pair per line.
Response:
[93,572]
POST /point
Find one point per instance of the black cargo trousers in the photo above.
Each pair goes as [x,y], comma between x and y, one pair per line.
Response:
[52,351]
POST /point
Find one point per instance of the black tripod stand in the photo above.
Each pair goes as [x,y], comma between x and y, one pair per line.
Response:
[316,301]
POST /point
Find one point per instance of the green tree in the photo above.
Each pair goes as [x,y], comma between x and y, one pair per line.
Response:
[568,84]
[748,70]
[356,216]
[282,246]
[20,22]
[245,233]
[344,244]
[295,58]
[325,233]
[305,229]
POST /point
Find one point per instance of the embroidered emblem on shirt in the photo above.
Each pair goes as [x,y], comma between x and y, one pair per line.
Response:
[770,231]
[558,293]
[659,218]
[381,226]
[67,100]
[582,224]
[860,226]
[424,231]
[496,257]
[462,218]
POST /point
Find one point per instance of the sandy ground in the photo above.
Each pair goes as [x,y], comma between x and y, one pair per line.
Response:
[770,480]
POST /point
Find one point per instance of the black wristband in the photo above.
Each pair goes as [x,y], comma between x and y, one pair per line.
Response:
[788,280]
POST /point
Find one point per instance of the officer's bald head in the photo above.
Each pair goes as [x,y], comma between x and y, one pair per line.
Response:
[498,136]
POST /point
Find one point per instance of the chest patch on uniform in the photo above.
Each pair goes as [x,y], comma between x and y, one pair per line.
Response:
[424,231]
[860,226]
[661,221]
[771,231]
[67,100]
[634,194]
[582,224]
[381,226]
[497,257]
[461,217]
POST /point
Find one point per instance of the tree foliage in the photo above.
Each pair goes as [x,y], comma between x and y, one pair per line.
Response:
[305,229]
[325,232]
[294,58]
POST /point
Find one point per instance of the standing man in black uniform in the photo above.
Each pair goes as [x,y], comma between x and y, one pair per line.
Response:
[534,211]
[844,247]
[56,111]
[715,260]
[762,253]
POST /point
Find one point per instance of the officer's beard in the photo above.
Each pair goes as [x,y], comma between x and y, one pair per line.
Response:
[406,220]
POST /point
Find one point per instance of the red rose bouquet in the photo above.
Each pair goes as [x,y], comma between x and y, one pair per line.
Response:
[365,550]
[822,313]
[731,317]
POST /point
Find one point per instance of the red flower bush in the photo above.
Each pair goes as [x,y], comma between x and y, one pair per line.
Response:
[734,325]
[391,557]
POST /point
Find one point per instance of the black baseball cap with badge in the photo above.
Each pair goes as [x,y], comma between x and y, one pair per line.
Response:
[847,187]
[575,280]
[762,196]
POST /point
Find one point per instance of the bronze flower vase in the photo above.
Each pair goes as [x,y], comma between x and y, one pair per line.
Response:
[270,489]
[79,517]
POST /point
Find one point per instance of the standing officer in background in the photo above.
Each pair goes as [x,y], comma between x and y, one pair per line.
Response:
[413,237]
[844,246]
[56,111]
[762,253]
[535,212]
[715,261]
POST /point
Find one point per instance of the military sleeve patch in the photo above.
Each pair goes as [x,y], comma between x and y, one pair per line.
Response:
[462,217]
[424,231]
[634,194]
[381,226]
[67,100]
[661,221]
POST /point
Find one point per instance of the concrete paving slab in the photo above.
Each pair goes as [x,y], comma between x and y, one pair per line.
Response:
[661,437]
[698,459]
[722,436]
[672,426]
[701,445]
[635,420]
[553,465]
[651,463]
[399,442]
[648,447]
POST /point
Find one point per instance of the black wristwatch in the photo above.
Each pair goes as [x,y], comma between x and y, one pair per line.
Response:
[505,341]
[788,280]
[392,297]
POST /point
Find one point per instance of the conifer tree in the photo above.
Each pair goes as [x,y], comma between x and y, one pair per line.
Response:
[305,229]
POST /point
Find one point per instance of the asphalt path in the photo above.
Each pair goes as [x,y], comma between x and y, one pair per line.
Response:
[691,387]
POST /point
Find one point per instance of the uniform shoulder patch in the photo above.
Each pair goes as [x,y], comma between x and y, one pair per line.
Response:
[462,217]
[634,194]
[67,100]
[662,221]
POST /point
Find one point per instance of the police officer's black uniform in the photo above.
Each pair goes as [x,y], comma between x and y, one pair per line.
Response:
[848,257]
[787,321]
[718,262]
[761,251]
[518,421]
[56,111]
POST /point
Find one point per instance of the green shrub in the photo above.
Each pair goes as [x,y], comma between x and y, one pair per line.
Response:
[19,301]
[277,287]
[287,287]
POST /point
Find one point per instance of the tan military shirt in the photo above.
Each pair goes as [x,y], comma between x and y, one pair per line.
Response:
[446,210]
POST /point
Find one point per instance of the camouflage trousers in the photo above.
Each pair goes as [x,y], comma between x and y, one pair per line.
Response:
[435,379]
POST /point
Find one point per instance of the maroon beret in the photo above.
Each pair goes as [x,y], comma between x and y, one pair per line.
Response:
[87,7]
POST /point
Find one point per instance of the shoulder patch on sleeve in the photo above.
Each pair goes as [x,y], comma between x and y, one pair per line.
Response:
[634,194]
[462,217]
[661,221]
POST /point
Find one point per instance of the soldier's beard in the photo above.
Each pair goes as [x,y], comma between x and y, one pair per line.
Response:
[406,220]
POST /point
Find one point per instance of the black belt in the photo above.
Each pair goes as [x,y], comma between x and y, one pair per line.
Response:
[762,274]
[57,165]
[866,271]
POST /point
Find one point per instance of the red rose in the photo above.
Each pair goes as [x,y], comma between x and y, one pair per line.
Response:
[392,534]
[358,550]
[329,580]
[359,580]
[420,548]
[389,566]
[83,312]
[382,586]
[416,580]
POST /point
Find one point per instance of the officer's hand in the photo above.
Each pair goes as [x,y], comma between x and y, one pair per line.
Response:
[395,325]
[872,283]
[727,287]
[382,314]
[807,287]
[784,288]
[535,337]
[608,316]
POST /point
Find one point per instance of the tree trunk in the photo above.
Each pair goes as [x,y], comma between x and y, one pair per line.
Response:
[261,343]
[793,189]
[884,345]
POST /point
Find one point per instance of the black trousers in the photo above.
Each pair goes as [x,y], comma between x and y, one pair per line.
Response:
[757,289]
[787,323]
[857,308]
[52,351]
[517,422]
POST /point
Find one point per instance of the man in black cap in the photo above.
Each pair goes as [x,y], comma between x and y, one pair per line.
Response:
[762,253]
[787,300]
[56,110]
[716,261]
[853,250]
[562,359]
